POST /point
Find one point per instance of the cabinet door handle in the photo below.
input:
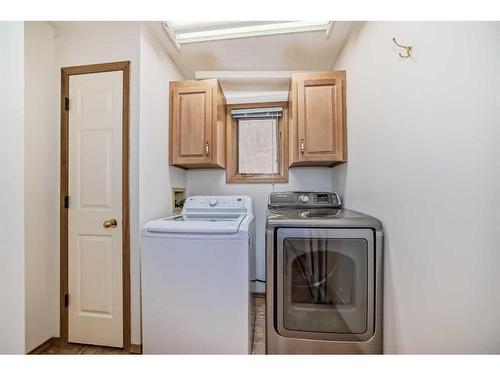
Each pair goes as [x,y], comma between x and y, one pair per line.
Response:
[206,148]
[302,145]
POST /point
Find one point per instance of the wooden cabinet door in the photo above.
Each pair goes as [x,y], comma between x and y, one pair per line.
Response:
[191,124]
[320,122]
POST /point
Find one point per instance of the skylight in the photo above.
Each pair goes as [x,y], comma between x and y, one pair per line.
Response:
[192,32]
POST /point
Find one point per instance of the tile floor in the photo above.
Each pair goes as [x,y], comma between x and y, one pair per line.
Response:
[56,346]
[259,332]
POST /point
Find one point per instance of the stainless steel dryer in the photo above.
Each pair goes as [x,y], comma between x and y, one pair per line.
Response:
[324,276]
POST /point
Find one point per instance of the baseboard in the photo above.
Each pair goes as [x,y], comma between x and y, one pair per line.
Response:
[135,349]
[44,345]
[258,295]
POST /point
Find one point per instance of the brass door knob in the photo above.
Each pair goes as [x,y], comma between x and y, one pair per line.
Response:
[111,223]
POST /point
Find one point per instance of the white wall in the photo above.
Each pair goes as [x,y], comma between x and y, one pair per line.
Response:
[81,43]
[41,173]
[423,139]
[156,176]
[213,182]
[12,270]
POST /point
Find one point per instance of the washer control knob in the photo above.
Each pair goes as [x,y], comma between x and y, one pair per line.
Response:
[213,202]
[303,199]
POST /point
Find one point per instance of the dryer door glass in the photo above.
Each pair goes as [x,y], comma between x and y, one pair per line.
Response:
[325,282]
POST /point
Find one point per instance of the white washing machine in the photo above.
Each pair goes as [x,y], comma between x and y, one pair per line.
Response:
[195,273]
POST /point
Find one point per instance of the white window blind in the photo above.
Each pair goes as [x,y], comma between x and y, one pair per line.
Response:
[258,146]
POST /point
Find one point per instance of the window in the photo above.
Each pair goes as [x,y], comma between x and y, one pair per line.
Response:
[258,146]
[181,32]
[256,135]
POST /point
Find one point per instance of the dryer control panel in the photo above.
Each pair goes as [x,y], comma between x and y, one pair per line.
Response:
[293,199]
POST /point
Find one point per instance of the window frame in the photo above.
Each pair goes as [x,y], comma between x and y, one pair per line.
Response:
[232,175]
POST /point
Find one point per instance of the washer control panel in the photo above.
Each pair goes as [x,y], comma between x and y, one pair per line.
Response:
[218,203]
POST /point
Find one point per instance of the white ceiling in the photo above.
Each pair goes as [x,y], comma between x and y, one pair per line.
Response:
[297,51]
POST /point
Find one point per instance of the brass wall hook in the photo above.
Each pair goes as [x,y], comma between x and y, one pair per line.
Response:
[408,49]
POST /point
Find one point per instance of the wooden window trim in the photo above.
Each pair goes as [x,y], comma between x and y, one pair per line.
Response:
[232,175]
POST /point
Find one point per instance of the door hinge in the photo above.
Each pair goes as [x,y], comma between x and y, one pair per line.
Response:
[66,300]
[66,201]
[66,103]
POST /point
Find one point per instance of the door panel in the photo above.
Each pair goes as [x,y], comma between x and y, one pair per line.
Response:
[95,191]
[192,120]
[320,119]
[325,283]
[191,128]
[95,156]
[319,113]
[96,275]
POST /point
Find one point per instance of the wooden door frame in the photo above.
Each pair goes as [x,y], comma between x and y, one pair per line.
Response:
[66,72]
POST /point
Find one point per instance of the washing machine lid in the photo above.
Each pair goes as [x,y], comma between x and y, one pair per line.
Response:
[198,224]
[206,215]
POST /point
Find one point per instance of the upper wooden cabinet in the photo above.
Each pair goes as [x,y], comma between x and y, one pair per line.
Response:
[318,119]
[197,131]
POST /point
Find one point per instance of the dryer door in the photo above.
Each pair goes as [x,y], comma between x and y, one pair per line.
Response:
[325,283]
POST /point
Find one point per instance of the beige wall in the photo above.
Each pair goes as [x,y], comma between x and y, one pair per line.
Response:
[423,139]
[156,176]
[12,270]
[41,188]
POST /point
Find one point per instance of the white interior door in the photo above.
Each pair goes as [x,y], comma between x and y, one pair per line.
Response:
[95,197]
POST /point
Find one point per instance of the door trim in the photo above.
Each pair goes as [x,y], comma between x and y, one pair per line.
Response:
[66,72]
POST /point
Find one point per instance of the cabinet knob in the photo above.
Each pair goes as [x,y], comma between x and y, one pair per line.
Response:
[206,148]
[302,145]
